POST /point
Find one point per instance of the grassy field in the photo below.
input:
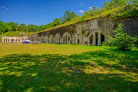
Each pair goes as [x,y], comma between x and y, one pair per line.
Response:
[67,68]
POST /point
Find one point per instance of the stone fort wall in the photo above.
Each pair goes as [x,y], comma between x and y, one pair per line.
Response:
[89,32]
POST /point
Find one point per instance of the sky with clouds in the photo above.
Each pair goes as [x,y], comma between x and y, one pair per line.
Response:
[40,12]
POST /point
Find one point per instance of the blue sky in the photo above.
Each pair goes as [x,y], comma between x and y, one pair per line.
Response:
[40,12]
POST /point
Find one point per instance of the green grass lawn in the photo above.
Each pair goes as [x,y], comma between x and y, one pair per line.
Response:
[67,68]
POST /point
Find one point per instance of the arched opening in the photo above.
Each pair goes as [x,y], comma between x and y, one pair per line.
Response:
[102,38]
[78,41]
[91,39]
[33,39]
[96,36]
[45,40]
[12,40]
[57,39]
[51,39]
[66,38]
[8,40]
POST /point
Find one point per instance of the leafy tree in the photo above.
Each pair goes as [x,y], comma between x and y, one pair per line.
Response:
[115,3]
[121,39]
[107,5]
[91,12]
[31,28]
[56,22]
[13,26]
[134,2]
[24,27]
[4,27]
[119,2]
[68,16]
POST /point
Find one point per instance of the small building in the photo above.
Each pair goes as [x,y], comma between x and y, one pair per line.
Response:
[11,39]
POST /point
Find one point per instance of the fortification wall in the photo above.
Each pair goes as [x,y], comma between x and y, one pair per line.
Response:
[89,32]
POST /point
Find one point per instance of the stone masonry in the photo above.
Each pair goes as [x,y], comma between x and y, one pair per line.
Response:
[89,32]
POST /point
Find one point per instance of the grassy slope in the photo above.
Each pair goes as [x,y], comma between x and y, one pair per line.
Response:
[67,68]
[15,33]
[119,12]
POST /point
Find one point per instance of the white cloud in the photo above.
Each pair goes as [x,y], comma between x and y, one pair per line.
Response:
[4,7]
[81,4]
[90,8]
[81,11]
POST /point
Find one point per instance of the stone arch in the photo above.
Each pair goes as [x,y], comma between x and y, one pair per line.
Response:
[57,38]
[96,38]
[77,38]
[4,40]
[45,40]
[8,40]
[41,39]
[91,39]
[33,38]
[38,38]
[51,39]
[66,38]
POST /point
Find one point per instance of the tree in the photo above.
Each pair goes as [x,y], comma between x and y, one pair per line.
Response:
[115,3]
[12,25]
[31,28]
[91,12]
[56,22]
[68,16]
[134,2]
[4,27]
[121,39]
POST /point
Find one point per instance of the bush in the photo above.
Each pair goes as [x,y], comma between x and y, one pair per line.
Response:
[121,39]
[104,43]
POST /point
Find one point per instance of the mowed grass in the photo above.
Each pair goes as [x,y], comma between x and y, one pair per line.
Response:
[67,68]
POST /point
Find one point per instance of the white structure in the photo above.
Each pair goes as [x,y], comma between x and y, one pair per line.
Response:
[10,39]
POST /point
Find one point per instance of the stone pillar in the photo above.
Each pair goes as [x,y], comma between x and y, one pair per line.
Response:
[94,39]
[2,40]
[67,39]
[99,38]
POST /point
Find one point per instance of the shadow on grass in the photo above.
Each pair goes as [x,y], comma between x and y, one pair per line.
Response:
[53,72]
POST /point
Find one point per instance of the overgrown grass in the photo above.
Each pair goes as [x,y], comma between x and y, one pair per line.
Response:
[14,33]
[67,68]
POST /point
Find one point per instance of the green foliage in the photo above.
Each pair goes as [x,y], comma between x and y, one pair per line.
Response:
[68,16]
[13,25]
[4,27]
[115,3]
[104,43]
[134,2]
[121,39]
[83,31]
[91,12]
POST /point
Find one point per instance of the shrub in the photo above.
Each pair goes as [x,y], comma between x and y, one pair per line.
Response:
[121,39]
[104,43]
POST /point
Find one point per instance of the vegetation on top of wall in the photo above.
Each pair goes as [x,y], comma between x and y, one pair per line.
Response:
[114,8]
